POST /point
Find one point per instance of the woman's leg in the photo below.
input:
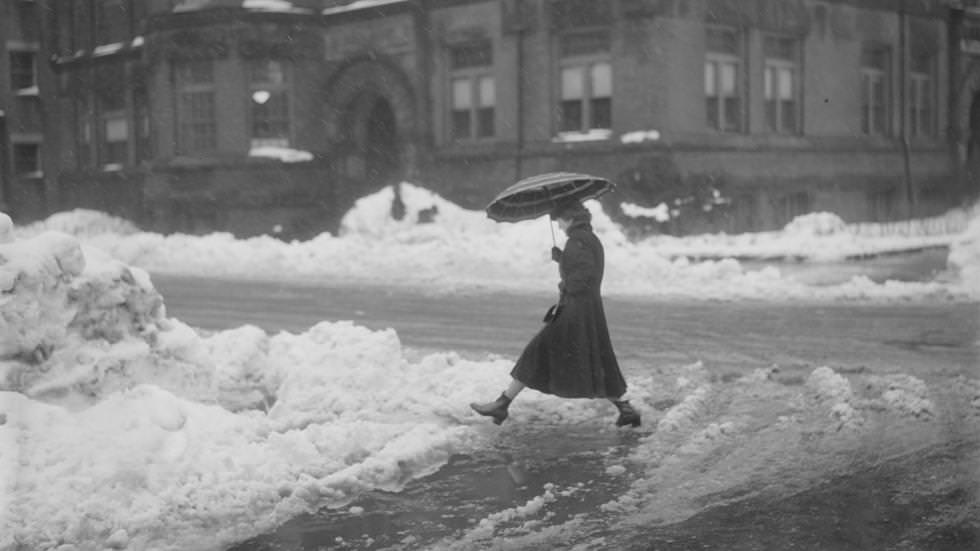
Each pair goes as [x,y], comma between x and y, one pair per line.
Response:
[514,388]
[627,415]
[498,408]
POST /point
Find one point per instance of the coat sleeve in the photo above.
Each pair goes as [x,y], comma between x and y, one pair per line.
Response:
[579,267]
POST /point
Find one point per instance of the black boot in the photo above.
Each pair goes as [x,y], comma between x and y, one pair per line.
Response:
[496,409]
[627,415]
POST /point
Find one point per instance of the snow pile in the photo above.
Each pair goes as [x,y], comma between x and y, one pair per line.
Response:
[130,430]
[415,238]
[816,223]
[81,223]
[964,256]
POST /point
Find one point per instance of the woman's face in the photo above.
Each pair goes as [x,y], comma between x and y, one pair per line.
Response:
[564,223]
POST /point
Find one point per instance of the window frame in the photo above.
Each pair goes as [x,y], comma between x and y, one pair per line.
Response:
[773,68]
[282,89]
[190,138]
[16,71]
[871,75]
[922,99]
[587,62]
[37,170]
[480,117]
[714,61]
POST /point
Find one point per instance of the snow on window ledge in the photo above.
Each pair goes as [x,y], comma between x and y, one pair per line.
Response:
[594,135]
[32,91]
[112,167]
[284,154]
[33,175]
[640,136]
[660,213]
[108,49]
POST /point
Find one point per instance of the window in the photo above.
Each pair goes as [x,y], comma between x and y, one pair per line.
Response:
[269,94]
[781,85]
[722,80]
[875,63]
[27,160]
[83,114]
[112,21]
[474,91]
[113,129]
[195,107]
[586,82]
[920,97]
[23,70]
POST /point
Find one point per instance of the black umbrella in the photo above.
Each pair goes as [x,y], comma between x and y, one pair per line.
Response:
[538,195]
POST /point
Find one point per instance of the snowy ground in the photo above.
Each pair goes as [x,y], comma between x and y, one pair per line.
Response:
[123,428]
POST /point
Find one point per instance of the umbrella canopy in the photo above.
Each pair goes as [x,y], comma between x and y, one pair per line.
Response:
[538,195]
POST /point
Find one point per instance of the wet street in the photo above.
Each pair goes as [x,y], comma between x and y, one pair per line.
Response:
[911,498]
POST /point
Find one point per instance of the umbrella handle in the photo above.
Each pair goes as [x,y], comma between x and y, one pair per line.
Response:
[551,224]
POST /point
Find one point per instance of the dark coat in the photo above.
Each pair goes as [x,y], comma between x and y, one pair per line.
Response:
[572,356]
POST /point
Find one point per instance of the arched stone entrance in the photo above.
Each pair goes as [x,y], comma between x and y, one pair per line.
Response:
[371,123]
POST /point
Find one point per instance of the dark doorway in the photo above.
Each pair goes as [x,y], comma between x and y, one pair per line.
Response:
[973,146]
[381,143]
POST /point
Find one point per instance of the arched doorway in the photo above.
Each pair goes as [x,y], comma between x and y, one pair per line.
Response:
[371,141]
[371,123]
[381,146]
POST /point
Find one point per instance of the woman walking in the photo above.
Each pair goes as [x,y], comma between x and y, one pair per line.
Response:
[572,356]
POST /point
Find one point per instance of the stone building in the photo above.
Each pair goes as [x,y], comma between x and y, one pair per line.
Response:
[273,116]
[22,71]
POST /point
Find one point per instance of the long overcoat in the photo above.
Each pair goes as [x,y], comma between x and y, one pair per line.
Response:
[572,355]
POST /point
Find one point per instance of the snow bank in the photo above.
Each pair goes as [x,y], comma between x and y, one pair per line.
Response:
[964,256]
[418,239]
[129,430]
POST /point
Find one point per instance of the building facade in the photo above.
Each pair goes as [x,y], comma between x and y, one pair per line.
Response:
[187,115]
[22,72]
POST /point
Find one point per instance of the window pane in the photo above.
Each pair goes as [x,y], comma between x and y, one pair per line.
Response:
[601,80]
[477,54]
[722,41]
[196,72]
[768,83]
[733,114]
[488,92]
[926,106]
[584,43]
[866,104]
[572,83]
[116,129]
[788,116]
[711,106]
[270,72]
[709,79]
[22,70]
[461,124]
[485,126]
[571,116]
[772,115]
[602,112]
[462,94]
[785,84]
[27,158]
[728,79]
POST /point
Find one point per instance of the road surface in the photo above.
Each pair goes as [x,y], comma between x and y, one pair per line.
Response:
[864,509]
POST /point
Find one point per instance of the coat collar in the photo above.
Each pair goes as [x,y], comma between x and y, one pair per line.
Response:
[579,225]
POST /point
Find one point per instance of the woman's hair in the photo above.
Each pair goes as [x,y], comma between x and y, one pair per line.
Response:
[572,210]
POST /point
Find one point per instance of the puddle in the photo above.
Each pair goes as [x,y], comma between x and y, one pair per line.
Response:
[571,463]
